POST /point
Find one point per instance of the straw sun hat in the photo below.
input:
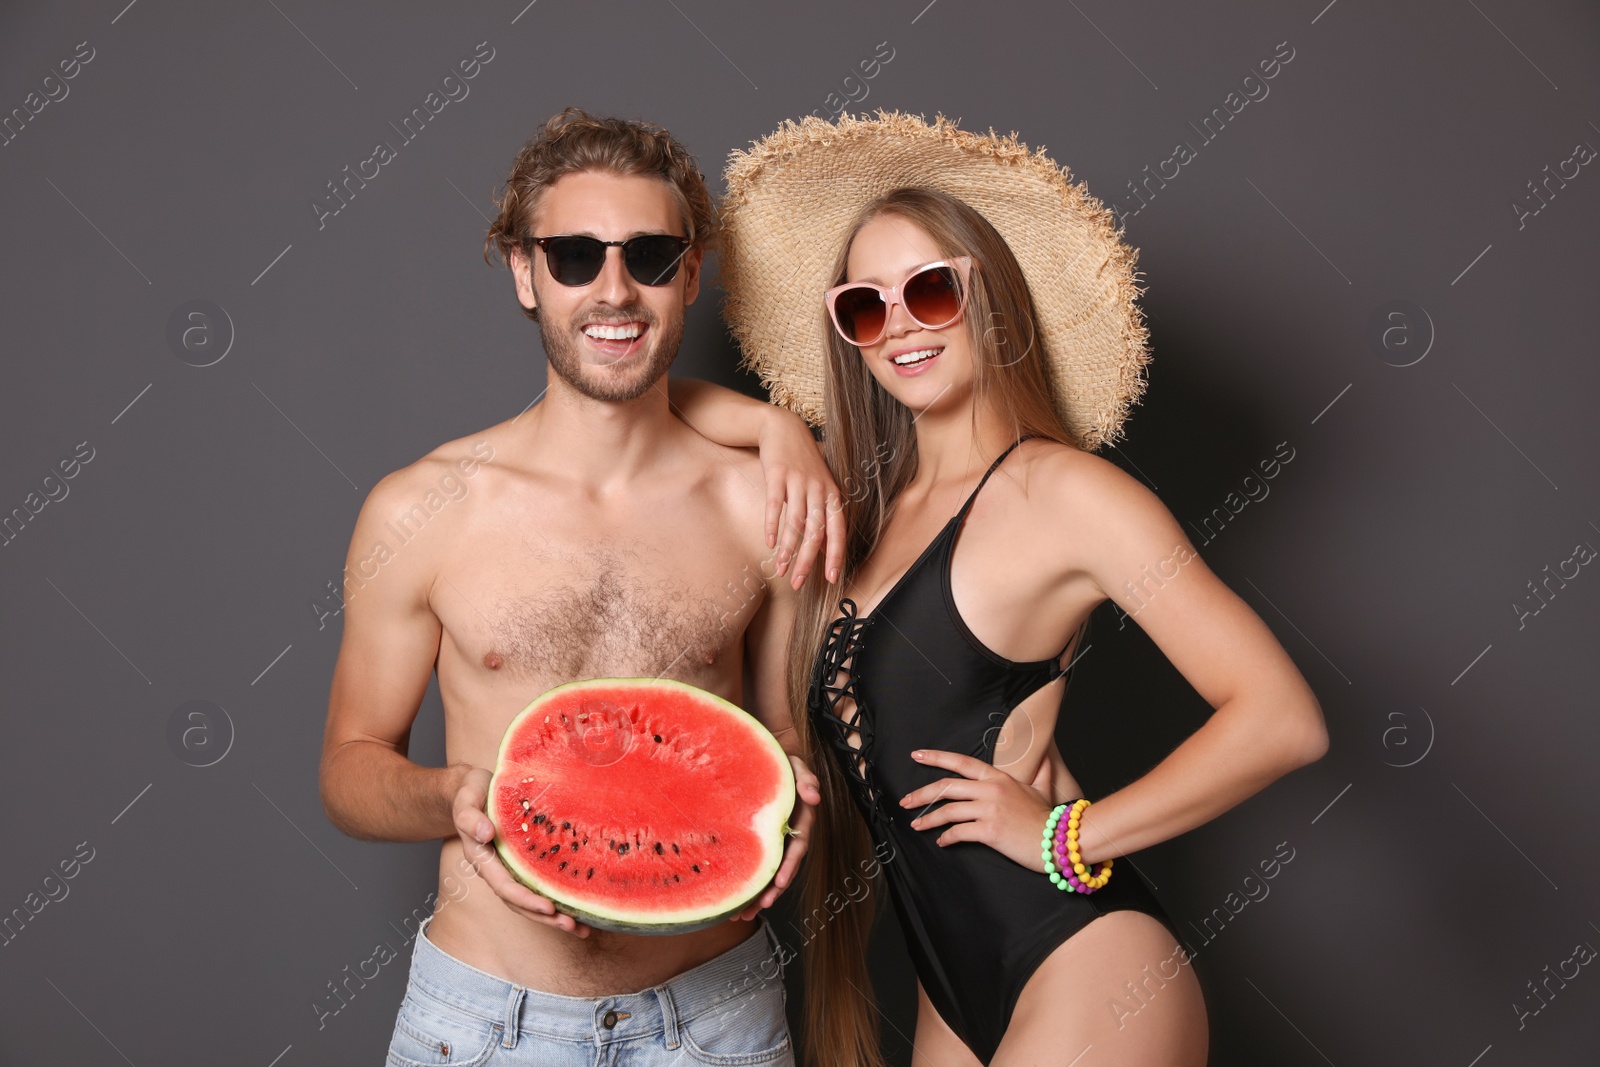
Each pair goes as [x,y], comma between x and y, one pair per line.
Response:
[792,197]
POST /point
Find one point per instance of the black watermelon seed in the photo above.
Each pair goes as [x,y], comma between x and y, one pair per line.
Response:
[539,818]
[622,849]
[659,849]
[574,846]
[566,826]
[658,738]
[695,867]
[563,866]
[591,872]
[674,848]
[550,828]
[675,878]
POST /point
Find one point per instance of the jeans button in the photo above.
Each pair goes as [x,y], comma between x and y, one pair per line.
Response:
[609,1020]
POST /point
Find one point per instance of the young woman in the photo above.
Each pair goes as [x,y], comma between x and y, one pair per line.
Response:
[960,385]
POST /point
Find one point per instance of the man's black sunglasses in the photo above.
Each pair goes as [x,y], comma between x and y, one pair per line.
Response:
[652,258]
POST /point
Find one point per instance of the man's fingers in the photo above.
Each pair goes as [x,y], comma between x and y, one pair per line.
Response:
[474,823]
[470,801]
[507,888]
[486,861]
[558,920]
[806,783]
[792,855]
[809,788]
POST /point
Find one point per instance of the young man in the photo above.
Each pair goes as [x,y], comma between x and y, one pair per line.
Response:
[594,535]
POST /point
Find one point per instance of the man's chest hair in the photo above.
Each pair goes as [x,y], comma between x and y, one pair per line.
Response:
[603,612]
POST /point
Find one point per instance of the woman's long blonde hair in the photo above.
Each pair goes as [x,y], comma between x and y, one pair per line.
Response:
[870,446]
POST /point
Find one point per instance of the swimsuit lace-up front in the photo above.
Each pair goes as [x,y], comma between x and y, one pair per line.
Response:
[976,923]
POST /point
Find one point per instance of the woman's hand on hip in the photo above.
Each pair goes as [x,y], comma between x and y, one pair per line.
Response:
[985,804]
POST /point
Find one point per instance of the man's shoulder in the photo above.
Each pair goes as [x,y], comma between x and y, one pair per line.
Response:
[443,475]
[734,474]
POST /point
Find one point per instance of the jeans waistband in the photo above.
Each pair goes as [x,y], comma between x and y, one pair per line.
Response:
[743,970]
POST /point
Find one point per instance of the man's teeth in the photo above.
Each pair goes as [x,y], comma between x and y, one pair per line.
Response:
[602,332]
[906,359]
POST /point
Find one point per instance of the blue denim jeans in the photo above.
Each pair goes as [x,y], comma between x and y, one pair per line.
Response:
[727,1011]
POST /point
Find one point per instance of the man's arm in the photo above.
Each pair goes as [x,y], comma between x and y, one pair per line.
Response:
[766,642]
[766,646]
[370,790]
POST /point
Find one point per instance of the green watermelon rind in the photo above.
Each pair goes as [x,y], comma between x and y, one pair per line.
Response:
[617,920]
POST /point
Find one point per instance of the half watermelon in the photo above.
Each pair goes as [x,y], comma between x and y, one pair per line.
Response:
[641,805]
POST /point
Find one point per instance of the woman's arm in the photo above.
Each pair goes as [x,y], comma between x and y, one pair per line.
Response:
[1266,721]
[722,415]
[803,503]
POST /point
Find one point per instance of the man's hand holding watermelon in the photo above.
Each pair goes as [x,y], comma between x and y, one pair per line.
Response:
[809,791]
[477,841]
[476,798]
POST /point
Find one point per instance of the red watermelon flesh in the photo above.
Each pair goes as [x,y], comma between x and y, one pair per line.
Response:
[641,805]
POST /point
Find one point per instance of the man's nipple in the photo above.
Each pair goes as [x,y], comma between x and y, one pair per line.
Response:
[493,660]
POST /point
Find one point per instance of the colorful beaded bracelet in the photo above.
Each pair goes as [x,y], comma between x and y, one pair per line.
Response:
[1063,861]
[1046,846]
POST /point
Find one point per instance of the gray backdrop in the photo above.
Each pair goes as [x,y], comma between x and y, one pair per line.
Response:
[1375,261]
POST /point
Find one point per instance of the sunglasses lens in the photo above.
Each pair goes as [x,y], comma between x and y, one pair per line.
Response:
[574,260]
[653,259]
[933,296]
[861,314]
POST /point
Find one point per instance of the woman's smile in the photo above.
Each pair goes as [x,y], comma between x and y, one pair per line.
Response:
[910,361]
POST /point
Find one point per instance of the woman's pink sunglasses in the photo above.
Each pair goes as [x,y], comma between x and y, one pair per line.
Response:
[933,295]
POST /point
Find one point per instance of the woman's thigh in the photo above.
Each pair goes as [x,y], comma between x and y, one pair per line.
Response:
[1118,993]
[935,1044]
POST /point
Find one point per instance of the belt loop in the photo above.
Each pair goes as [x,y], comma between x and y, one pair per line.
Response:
[513,1023]
[776,946]
[669,1016]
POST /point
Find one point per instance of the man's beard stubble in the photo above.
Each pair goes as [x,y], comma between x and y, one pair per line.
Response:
[596,383]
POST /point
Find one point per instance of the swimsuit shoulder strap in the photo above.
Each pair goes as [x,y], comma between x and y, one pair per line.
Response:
[962,514]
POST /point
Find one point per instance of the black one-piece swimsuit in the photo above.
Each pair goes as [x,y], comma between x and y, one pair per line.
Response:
[976,923]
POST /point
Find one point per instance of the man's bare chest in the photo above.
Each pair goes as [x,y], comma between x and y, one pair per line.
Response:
[550,607]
